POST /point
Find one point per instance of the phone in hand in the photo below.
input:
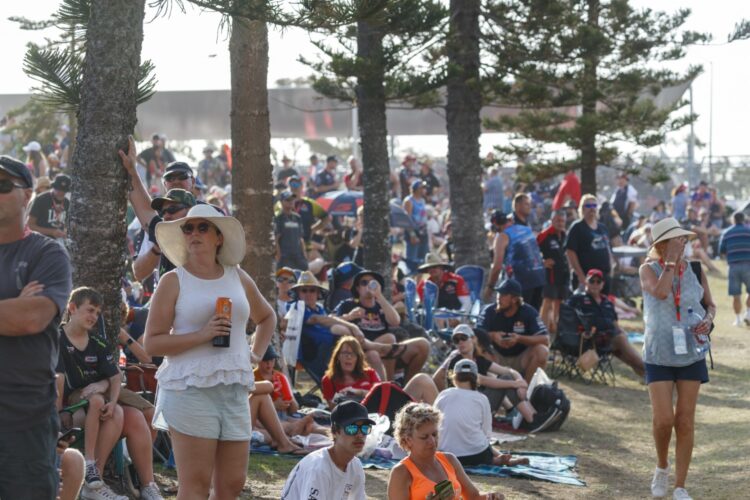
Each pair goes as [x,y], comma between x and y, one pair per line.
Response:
[71,435]
[444,490]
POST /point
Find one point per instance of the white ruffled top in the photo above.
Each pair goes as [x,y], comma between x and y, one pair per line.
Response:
[206,365]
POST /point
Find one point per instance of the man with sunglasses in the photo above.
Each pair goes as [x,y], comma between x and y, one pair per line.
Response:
[178,175]
[594,304]
[587,244]
[49,211]
[334,472]
[35,284]
[312,214]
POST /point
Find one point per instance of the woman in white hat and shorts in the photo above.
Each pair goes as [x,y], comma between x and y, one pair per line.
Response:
[202,397]
[672,350]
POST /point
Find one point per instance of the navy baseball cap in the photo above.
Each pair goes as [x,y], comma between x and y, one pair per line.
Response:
[509,287]
[349,412]
[16,168]
[62,183]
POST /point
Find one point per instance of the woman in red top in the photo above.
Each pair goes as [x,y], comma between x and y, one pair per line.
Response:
[348,374]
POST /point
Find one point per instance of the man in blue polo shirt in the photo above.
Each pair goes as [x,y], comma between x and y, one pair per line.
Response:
[735,244]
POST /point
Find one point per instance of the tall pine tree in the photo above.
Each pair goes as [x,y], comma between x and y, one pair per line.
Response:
[584,73]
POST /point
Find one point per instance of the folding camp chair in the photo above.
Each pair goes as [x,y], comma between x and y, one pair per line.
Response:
[568,345]
[313,358]
[410,299]
[474,278]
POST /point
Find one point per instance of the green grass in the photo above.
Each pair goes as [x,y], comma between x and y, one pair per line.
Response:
[609,429]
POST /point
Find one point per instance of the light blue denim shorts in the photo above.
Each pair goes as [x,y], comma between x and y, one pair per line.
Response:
[220,412]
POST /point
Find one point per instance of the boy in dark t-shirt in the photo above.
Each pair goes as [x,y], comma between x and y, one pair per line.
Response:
[89,371]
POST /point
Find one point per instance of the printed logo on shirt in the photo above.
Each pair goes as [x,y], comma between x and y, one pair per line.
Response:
[599,243]
[554,245]
[314,492]
[290,224]
[90,359]
[347,490]
[519,327]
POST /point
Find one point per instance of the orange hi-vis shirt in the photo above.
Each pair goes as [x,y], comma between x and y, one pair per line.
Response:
[421,486]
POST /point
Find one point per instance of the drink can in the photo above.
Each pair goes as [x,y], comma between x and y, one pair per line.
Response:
[224,310]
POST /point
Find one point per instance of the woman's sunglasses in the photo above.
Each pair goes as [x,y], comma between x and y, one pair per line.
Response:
[283,279]
[7,185]
[173,209]
[352,429]
[460,338]
[590,205]
[202,228]
[596,281]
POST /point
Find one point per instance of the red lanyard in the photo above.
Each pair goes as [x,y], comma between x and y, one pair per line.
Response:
[676,292]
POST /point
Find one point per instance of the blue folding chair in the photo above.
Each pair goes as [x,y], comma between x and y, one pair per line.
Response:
[474,278]
[429,299]
[410,297]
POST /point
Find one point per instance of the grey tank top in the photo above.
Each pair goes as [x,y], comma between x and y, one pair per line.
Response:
[660,315]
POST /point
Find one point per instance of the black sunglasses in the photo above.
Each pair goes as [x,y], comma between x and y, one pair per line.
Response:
[190,227]
[460,338]
[173,209]
[7,185]
[364,282]
[590,205]
[596,281]
[179,176]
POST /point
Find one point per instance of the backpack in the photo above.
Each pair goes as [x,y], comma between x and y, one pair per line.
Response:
[547,396]
[386,398]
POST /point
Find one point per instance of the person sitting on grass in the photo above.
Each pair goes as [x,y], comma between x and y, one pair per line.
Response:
[466,411]
[90,373]
[350,377]
[494,381]
[425,470]
[334,472]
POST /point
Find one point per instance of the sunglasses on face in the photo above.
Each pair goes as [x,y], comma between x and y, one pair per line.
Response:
[182,176]
[460,338]
[352,429]
[7,185]
[596,281]
[365,282]
[347,354]
[308,290]
[202,228]
[295,184]
[283,279]
[173,209]
[590,205]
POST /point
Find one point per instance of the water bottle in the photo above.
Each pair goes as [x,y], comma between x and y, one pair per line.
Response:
[702,340]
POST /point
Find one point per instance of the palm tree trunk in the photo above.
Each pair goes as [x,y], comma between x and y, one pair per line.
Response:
[105,118]
[370,92]
[464,102]
[252,180]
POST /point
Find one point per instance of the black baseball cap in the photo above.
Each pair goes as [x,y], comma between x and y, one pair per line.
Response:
[509,287]
[16,168]
[178,166]
[349,412]
[270,354]
[331,158]
[62,183]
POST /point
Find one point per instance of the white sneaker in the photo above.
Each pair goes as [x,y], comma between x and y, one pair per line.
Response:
[737,322]
[101,493]
[681,494]
[660,482]
[151,492]
[747,317]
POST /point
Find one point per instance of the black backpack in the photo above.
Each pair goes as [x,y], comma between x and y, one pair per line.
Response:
[386,398]
[549,396]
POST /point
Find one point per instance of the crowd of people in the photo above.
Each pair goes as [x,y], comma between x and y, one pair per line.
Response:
[549,245]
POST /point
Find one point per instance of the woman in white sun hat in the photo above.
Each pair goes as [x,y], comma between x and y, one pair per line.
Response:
[203,389]
[673,354]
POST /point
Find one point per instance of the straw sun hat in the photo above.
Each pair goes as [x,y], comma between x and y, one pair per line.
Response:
[173,243]
[667,229]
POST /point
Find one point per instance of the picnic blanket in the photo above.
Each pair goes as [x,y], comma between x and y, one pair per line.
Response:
[635,337]
[543,466]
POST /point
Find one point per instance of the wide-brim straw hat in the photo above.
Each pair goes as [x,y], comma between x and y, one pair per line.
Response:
[432,260]
[174,244]
[667,229]
[307,279]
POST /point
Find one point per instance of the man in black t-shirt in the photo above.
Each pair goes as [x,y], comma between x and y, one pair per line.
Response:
[36,281]
[557,272]
[587,244]
[290,241]
[49,211]
[432,184]
[326,180]
[517,332]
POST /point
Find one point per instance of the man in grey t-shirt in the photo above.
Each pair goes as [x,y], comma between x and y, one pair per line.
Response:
[36,281]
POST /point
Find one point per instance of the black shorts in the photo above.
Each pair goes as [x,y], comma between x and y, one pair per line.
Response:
[556,292]
[660,373]
[28,460]
[482,458]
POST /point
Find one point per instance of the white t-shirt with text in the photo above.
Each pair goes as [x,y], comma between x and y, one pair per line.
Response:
[316,477]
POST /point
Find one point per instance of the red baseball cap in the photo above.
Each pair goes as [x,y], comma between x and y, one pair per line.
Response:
[594,272]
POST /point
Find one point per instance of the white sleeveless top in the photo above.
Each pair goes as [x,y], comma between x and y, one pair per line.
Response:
[205,365]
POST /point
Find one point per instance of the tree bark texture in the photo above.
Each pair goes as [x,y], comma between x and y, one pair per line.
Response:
[463,124]
[252,176]
[370,91]
[107,114]
[587,123]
